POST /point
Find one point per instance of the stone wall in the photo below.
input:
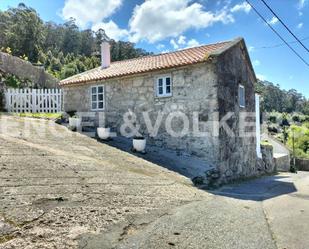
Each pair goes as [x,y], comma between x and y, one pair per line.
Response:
[302,164]
[267,163]
[25,70]
[194,90]
[237,152]
[282,162]
[211,89]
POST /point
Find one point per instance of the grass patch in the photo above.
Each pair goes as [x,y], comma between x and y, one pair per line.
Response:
[39,115]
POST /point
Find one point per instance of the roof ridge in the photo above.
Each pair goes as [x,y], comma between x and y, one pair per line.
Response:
[173,52]
[183,57]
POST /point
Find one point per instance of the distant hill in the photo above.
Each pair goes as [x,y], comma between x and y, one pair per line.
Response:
[273,98]
[62,49]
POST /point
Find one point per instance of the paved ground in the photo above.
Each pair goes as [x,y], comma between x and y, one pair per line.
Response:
[64,190]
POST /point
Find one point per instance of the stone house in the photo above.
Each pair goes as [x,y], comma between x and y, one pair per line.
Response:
[206,88]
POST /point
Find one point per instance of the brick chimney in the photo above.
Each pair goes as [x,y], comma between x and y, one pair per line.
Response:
[105,55]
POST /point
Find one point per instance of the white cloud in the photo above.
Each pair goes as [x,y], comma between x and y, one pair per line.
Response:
[302,3]
[156,20]
[89,12]
[261,76]
[251,49]
[241,7]
[182,40]
[273,21]
[192,43]
[165,51]
[160,46]
[300,25]
[174,44]
[256,63]
[112,30]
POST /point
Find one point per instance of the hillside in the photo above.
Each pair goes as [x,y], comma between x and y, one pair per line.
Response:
[62,49]
[273,98]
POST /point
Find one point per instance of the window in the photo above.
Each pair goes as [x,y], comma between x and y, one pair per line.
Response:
[241,95]
[97,98]
[164,86]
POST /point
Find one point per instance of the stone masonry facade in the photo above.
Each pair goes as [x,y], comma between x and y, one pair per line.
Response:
[209,89]
[193,91]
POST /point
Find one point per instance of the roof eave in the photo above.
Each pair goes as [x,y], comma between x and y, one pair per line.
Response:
[76,83]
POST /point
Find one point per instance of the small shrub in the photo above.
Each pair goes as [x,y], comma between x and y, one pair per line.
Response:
[71,113]
[293,169]
[296,118]
[272,119]
[272,129]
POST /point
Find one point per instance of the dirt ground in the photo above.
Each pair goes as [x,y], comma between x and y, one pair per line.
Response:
[56,185]
[60,189]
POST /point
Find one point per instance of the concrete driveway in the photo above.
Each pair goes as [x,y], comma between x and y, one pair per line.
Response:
[64,190]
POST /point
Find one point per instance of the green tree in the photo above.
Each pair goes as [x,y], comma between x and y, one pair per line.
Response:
[71,39]
[24,31]
[299,139]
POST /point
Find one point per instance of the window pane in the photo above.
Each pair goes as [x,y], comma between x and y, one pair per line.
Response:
[94,105]
[160,90]
[160,82]
[168,89]
[94,97]
[100,89]
[241,94]
[168,81]
[100,97]
[100,105]
[94,90]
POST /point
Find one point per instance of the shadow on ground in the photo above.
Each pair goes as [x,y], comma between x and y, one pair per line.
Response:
[258,189]
[186,165]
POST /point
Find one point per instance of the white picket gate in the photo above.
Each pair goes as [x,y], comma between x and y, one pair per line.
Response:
[34,100]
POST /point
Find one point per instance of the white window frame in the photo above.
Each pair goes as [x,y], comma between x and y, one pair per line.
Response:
[244,96]
[97,97]
[164,86]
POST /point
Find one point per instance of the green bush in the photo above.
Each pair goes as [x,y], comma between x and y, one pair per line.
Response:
[296,118]
[300,135]
[272,119]
[273,129]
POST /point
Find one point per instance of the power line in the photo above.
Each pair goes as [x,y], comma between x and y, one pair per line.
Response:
[286,43]
[285,26]
[282,44]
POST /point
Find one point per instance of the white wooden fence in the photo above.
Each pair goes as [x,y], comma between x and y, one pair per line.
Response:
[34,100]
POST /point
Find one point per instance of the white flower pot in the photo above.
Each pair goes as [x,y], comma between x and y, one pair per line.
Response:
[103,133]
[139,144]
[75,122]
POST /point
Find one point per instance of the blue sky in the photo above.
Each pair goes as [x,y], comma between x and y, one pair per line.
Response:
[167,25]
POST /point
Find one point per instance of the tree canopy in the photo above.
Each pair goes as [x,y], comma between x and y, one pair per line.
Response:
[63,49]
[276,99]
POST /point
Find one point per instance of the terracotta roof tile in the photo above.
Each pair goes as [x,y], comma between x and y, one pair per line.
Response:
[146,64]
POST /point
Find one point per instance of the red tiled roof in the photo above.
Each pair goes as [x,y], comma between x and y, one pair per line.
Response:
[148,63]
